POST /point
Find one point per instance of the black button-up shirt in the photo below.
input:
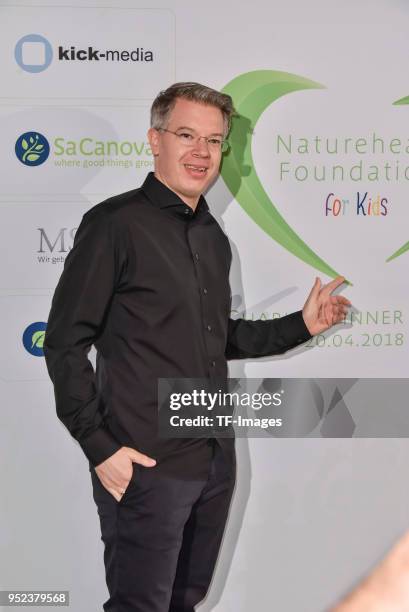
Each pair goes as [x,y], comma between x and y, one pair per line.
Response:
[147,282]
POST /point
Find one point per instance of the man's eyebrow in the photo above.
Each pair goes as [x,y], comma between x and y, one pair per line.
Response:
[185,127]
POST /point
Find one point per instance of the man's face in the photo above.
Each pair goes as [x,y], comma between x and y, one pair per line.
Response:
[188,168]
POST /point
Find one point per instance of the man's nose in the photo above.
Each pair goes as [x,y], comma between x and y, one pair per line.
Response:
[202,147]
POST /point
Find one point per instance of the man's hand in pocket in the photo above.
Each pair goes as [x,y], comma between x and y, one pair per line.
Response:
[115,472]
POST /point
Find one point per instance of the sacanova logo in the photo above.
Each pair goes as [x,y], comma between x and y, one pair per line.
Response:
[32,148]
[34,53]
[33,338]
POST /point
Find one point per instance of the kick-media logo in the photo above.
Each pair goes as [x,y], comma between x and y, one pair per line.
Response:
[34,53]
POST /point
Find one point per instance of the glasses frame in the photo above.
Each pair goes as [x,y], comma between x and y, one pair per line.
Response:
[224,144]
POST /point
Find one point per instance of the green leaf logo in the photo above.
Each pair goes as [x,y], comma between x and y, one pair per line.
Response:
[32,148]
[35,146]
[252,93]
[38,339]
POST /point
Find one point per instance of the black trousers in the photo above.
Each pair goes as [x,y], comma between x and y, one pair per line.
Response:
[162,539]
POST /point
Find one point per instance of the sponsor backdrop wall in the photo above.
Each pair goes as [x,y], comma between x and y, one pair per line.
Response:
[323,152]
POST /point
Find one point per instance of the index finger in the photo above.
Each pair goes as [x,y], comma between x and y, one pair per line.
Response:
[332,285]
[143,459]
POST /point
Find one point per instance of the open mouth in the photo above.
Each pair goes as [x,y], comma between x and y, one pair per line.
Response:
[196,170]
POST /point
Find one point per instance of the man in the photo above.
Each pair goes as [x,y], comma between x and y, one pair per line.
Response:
[147,282]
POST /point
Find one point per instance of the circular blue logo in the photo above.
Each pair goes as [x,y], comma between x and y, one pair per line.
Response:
[33,338]
[32,148]
[33,53]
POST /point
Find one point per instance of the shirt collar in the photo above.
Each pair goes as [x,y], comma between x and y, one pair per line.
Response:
[163,197]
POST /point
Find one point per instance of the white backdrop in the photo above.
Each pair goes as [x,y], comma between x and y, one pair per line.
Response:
[309,516]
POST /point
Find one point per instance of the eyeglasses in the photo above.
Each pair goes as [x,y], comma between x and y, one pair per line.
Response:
[189,140]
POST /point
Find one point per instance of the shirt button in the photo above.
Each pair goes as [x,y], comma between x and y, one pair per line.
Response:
[204,290]
[187,211]
[197,256]
[213,364]
[209,327]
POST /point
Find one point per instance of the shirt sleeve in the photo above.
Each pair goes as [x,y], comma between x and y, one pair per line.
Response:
[79,307]
[246,339]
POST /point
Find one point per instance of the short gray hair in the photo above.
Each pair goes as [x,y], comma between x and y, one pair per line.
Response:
[165,101]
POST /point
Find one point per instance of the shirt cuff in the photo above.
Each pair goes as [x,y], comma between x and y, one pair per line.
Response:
[297,328]
[99,446]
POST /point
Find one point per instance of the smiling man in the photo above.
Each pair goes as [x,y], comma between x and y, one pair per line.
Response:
[147,282]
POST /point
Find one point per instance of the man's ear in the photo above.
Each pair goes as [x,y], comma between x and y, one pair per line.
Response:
[153,137]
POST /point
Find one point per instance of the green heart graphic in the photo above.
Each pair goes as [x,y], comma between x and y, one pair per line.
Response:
[252,93]
[404,247]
